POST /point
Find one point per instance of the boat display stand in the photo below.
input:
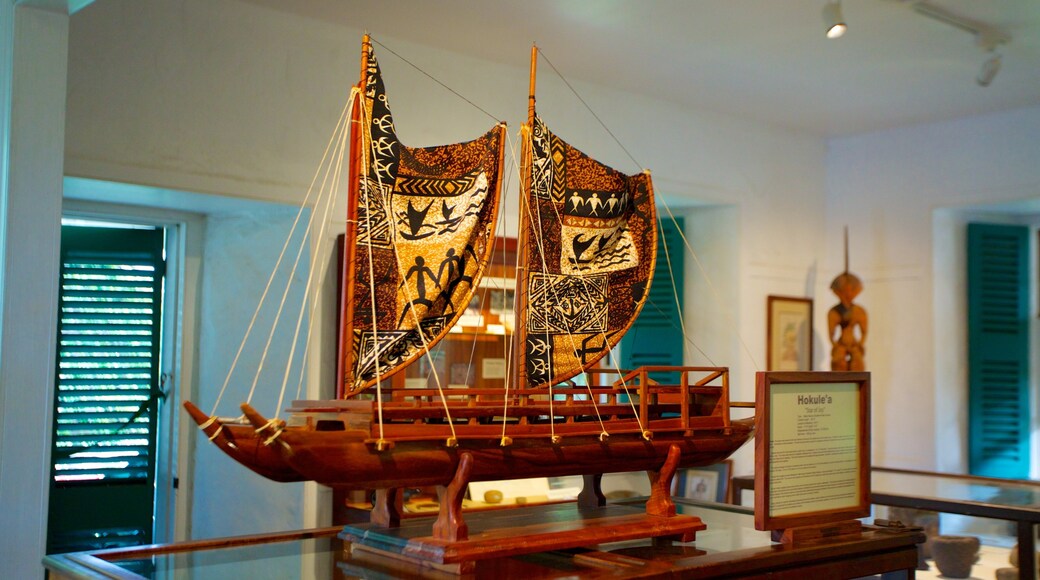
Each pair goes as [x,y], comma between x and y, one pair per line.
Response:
[450,544]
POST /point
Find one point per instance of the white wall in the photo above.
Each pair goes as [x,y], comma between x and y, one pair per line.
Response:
[889,187]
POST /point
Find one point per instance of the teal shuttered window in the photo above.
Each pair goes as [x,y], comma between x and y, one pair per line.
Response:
[998,350]
[656,337]
[108,391]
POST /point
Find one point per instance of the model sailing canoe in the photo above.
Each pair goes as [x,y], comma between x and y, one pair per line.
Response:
[415,250]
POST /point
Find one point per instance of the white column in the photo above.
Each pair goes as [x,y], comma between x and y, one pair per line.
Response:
[32,103]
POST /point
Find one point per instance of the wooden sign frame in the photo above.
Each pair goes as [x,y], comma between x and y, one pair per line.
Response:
[815,411]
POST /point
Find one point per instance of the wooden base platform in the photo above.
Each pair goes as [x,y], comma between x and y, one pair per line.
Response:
[511,532]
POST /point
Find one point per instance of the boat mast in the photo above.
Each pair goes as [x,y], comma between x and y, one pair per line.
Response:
[344,362]
[530,95]
[520,337]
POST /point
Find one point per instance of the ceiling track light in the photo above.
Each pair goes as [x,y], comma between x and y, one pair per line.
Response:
[987,37]
[833,20]
[979,29]
[989,70]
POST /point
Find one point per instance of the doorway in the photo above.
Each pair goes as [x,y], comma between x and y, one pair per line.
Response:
[110,387]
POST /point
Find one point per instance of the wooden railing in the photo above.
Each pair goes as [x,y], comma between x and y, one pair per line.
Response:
[698,400]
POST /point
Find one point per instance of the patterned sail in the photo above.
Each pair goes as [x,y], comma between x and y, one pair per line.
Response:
[424,232]
[591,242]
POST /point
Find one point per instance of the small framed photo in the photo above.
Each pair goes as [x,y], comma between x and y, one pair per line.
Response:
[709,483]
[789,333]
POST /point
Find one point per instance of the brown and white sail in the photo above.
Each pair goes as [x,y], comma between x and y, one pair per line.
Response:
[420,231]
[590,237]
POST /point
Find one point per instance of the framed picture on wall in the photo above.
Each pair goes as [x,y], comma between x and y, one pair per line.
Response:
[789,333]
[708,483]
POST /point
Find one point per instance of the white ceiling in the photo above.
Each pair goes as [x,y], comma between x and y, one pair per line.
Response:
[765,60]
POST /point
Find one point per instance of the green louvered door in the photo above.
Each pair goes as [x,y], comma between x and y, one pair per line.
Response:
[656,336]
[107,395]
[998,350]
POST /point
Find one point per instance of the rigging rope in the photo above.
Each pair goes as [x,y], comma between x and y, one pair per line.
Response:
[314,272]
[434,79]
[661,242]
[473,342]
[667,256]
[369,146]
[593,113]
[453,440]
[277,318]
[281,255]
[689,342]
[510,342]
[541,253]
[700,266]
[603,335]
[288,285]
[624,383]
[499,229]
[711,286]
[325,256]
[539,235]
[570,335]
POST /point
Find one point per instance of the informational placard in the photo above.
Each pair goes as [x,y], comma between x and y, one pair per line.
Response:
[812,448]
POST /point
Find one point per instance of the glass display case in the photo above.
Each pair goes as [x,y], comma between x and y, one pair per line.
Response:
[1013,501]
[1003,513]
[730,546]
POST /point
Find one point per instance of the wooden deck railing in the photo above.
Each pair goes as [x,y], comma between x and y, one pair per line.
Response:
[699,399]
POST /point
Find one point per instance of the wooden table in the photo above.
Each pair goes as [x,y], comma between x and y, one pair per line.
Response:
[730,547]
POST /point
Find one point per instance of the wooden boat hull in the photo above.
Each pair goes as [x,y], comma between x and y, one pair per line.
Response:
[341,443]
[241,443]
[351,460]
